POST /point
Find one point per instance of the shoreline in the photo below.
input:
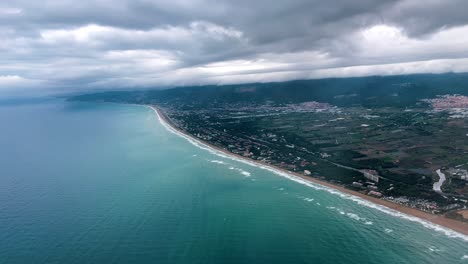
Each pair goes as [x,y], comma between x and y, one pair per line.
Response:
[439,220]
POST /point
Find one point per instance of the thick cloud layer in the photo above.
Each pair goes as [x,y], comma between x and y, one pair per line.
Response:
[69,45]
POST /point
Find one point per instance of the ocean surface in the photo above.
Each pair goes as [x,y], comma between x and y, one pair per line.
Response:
[108,183]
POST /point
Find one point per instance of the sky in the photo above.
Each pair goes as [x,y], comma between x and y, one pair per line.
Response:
[69,45]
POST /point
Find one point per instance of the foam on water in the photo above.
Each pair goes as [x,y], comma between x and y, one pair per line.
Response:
[246,173]
[351,215]
[243,172]
[354,216]
[448,232]
[434,249]
[217,161]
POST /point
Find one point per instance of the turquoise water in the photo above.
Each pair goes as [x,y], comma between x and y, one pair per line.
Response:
[105,183]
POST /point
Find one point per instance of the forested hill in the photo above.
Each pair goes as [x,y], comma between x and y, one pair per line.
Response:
[374,91]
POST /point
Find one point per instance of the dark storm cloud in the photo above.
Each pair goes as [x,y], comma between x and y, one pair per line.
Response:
[424,17]
[111,44]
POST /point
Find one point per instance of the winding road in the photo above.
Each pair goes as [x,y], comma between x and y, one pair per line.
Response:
[438,184]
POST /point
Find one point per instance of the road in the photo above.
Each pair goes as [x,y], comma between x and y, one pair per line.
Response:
[438,184]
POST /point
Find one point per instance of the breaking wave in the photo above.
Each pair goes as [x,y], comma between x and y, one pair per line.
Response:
[351,215]
[243,172]
[434,249]
[246,173]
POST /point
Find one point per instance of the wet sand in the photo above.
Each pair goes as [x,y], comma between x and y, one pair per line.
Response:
[435,219]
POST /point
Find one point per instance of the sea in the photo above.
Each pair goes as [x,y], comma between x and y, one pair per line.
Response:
[109,183]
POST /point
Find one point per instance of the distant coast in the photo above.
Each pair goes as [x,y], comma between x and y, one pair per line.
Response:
[440,220]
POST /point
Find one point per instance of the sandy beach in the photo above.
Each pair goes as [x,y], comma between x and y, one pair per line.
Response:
[440,220]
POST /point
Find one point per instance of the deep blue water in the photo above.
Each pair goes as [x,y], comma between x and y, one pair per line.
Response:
[107,183]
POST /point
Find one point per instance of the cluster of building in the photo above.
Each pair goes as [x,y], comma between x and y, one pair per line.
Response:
[448,102]
[253,146]
[311,106]
[372,175]
[421,204]
[371,187]
[461,174]
[456,105]
[257,147]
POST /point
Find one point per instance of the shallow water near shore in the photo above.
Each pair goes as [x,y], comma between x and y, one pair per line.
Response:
[107,183]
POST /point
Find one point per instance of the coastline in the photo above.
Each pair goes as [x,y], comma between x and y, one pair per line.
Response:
[439,220]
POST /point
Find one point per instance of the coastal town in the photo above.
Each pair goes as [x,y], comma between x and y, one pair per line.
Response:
[402,139]
[319,140]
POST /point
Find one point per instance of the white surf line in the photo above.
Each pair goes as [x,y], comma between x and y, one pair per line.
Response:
[447,231]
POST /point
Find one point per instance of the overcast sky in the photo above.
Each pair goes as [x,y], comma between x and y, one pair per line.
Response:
[65,45]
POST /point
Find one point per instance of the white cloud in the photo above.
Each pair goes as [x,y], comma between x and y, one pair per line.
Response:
[10,11]
[8,82]
[430,66]
[384,41]
[168,36]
